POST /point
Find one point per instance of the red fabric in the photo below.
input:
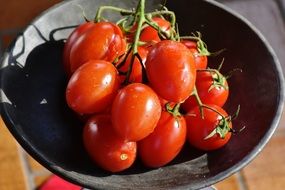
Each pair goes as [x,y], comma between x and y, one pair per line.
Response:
[57,183]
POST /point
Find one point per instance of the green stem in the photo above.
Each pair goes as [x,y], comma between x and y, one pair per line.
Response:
[141,20]
[157,28]
[189,38]
[235,115]
[119,22]
[214,110]
[103,8]
[208,70]
[215,71]
[228,75]
[140,14]
[218,79]
[200,104]
[165,12]
[174,111]
[83,13]
[197,97]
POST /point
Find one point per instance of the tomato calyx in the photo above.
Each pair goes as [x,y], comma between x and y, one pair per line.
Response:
[173,110]
[165,35]
[223,126]
[219,81]
[201,45]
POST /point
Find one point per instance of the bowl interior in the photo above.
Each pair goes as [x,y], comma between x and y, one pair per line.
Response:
[34,109]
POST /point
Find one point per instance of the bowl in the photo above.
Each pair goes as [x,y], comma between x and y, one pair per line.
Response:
[34,108]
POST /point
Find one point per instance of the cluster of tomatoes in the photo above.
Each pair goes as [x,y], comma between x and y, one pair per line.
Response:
[132,87]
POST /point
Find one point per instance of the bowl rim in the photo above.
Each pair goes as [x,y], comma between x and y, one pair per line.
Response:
[280,99]
[208,182]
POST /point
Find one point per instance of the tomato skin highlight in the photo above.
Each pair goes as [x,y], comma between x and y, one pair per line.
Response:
[171,70]
[77,32]
[135,111]
[92,88]
[198,129]
[165,142]
[106,148]
[104,41]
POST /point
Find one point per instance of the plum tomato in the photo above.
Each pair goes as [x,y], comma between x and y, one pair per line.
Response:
[210,132]
[92,88]
[201,61]
[150,35]
[136,74]
[105,147]
[104,41]
[171,70]
[165,142]
[135,111]
[212,88]
[78,31]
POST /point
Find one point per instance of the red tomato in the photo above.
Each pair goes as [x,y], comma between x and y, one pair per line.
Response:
[92,88]
[136,74]
[103,41]
[171,70]
[201,61]
[135,111]
[198,129]
[70,41]
[166,141]
[149,34]
[105,147]
[212,88]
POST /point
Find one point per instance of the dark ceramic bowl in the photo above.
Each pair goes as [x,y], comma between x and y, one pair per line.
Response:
[34,109]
